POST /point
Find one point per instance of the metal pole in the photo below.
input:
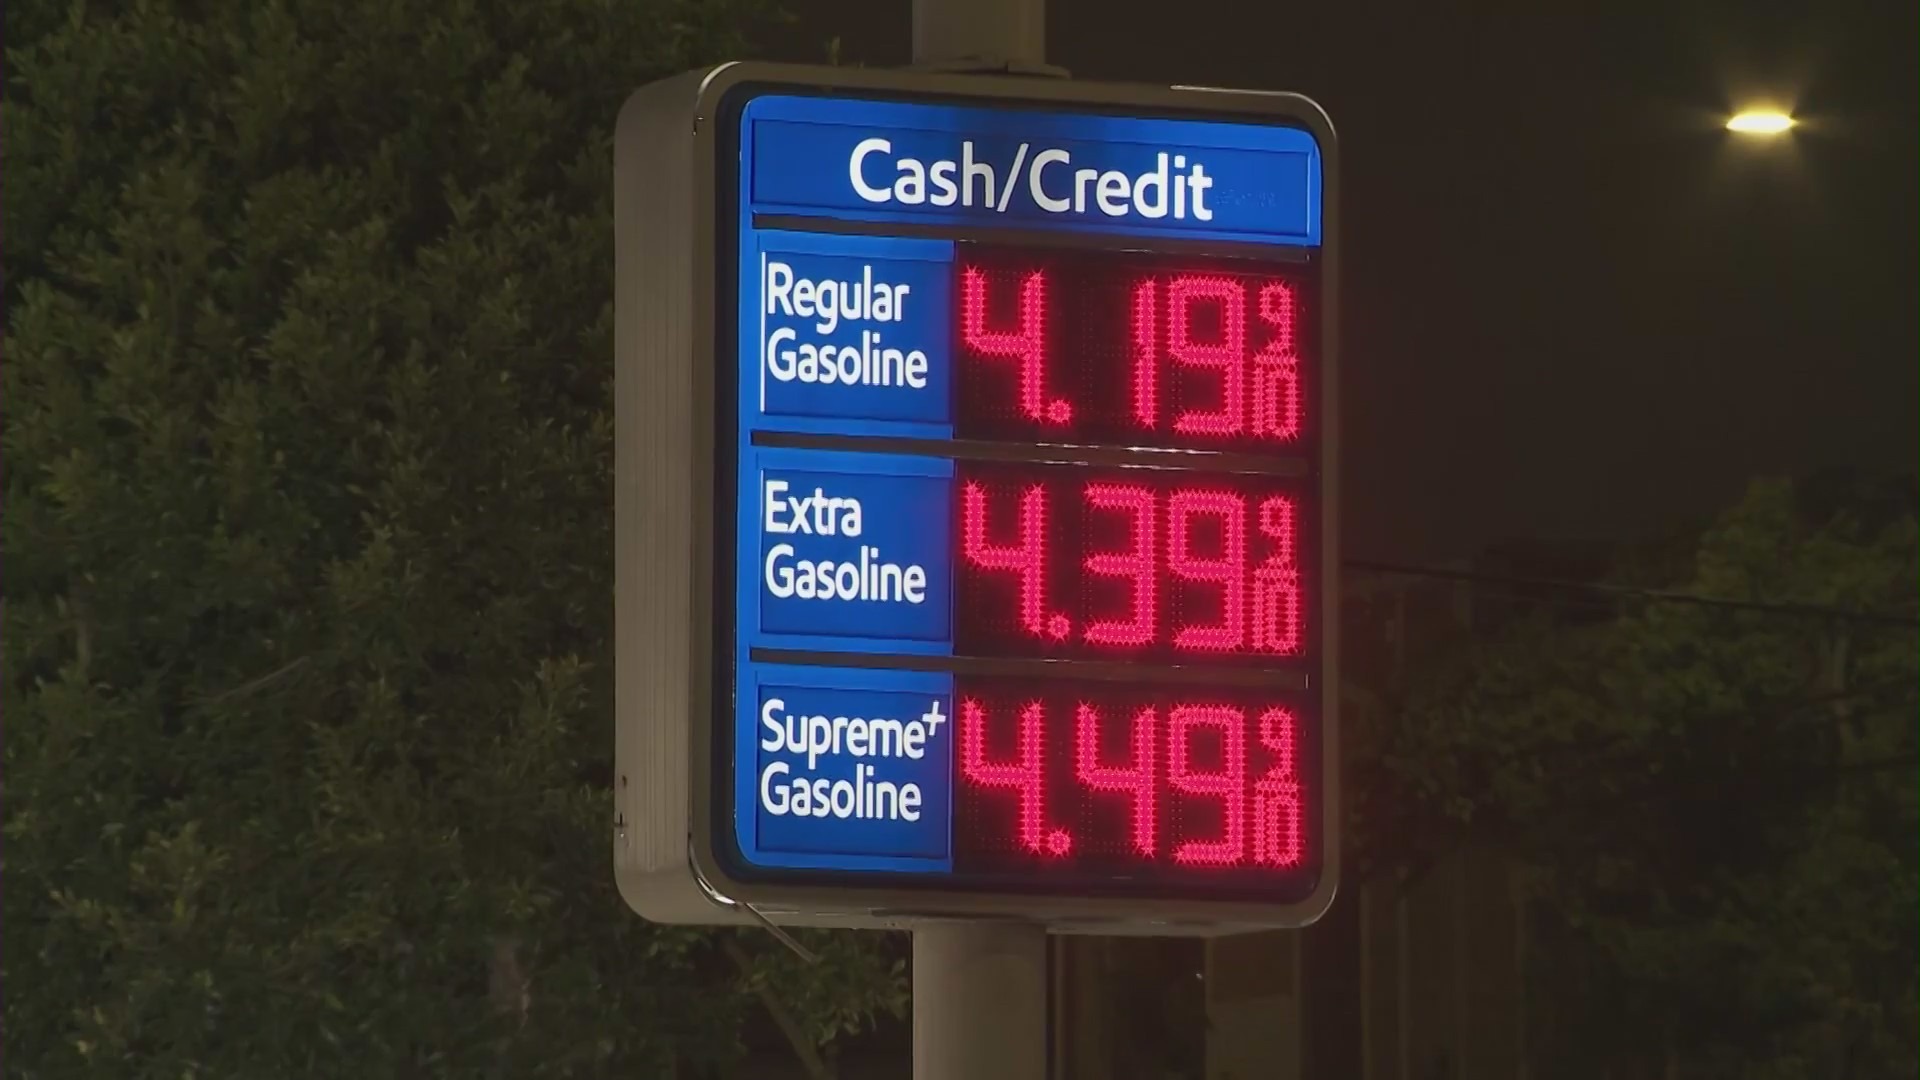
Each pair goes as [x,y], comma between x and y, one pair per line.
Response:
[980,1001]
[983,33]
[980,988]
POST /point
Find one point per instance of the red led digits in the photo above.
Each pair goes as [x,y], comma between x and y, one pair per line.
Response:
[1229,354]
[1109,348]
[1136,779]
[1027,344]
[1146,354]
[1228,783]
[1278,838]
[1276,369]
[1276,584]
[1028,559]
[1139,781]
[1145,563]
[1135,563]
[1227,570]
[1025,775]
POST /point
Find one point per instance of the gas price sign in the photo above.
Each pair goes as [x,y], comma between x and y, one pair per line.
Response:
[1020,446]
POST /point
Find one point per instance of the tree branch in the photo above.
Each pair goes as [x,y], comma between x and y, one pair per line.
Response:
[783,1018]
[256,685]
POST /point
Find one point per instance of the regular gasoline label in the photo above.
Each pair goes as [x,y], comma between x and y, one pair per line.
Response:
[857,336]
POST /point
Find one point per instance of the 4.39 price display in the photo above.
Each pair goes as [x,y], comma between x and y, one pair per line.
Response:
[1129,563]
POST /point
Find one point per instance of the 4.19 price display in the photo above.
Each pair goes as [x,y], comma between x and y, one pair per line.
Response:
[1144,351]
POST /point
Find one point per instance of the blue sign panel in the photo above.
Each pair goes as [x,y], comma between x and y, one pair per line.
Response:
[843,552]
[889,161]
[869,332]
[854,328]
[845,769]
[870,765]
[862,553]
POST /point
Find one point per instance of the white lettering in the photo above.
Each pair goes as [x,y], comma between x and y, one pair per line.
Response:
[870,577]
[911,188]
[1199,182]
[971,170]
[777,806]
[773,740]
[779,280]
[860,151]
[1112,193]
[818,514]
[775,501]
[862,798]
[1082,179]
[869,361]
[818,735]
[795,788]
[780,361]
[1040,198]
[945,192]
[1161,191]
[1156,180]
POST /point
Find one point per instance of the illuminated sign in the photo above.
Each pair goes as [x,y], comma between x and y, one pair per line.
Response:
[1022,519]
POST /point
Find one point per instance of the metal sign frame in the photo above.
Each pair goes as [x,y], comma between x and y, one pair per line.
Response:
[667,200]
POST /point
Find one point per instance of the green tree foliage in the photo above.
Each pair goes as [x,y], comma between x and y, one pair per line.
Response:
[308,565]
[1713,808]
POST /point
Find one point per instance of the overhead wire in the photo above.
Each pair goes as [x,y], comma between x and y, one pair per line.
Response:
[1616,592]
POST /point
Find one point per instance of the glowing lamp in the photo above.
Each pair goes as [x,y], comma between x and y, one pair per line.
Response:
[1759,122]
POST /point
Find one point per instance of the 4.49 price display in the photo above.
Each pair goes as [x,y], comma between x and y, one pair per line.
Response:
[1082,779]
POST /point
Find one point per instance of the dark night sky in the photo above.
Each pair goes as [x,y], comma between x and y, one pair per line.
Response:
[1573,306]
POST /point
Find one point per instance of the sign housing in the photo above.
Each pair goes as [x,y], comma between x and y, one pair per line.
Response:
[975,488]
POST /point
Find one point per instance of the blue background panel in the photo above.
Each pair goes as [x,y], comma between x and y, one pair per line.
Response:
[885,730]
[765,839]
[796,157]
[1012,168]
[881,294]
[906,512]
[890,579]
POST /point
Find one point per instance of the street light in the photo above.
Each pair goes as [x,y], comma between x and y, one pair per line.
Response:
[1759,122]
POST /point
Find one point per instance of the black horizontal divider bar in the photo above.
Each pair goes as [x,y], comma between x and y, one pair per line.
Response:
[1005,237]
[1282,680]
[1218,461]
